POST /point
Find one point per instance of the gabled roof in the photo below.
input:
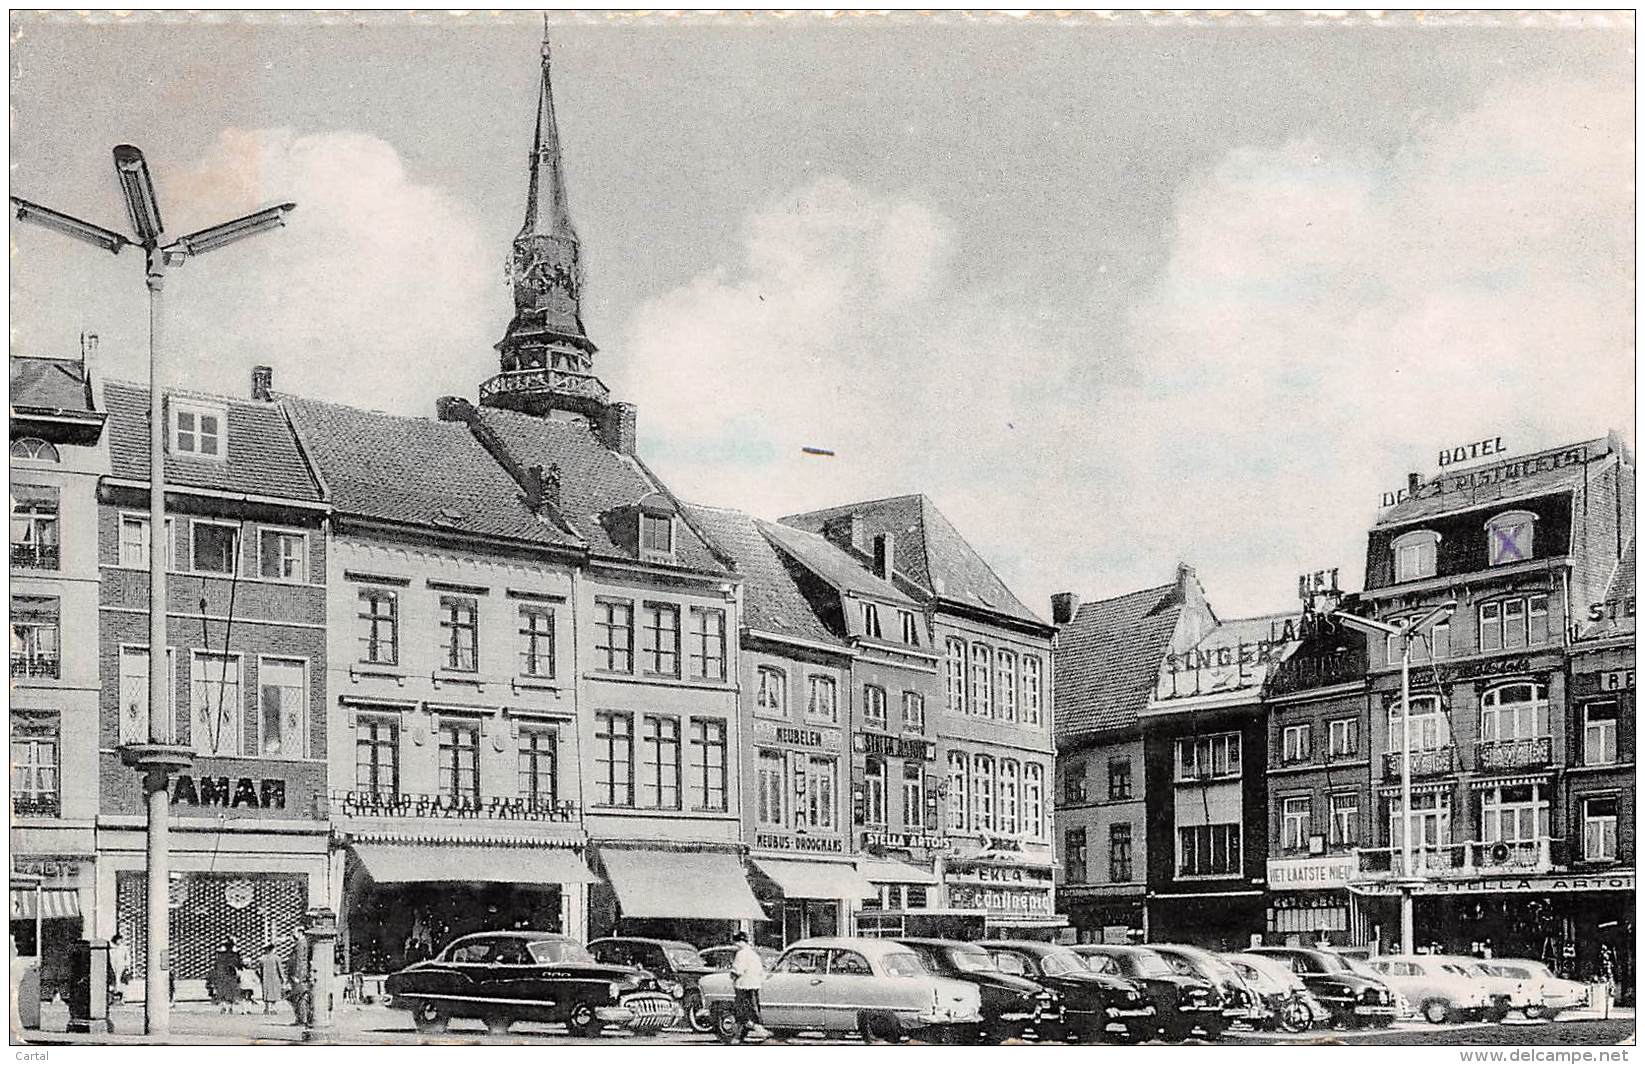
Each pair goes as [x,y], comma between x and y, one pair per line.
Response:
[1619,599]
[415,471]
[1517,477]
[772,599]
[262,459]
[51,384]
[1252,649]
[831,564]
[595,482]
[1108,658]
[928,550]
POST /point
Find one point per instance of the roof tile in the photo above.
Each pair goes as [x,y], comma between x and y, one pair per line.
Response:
[1108,659]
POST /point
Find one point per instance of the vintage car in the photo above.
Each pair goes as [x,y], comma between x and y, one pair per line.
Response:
[503,977]
[676,965]
[1239,1002]
[1504,994]
[719,958]
[1181,1003]
[1290,1006]
[1435,987]
[1547,995]
[1012,1006]
[875,987]
[1097,1003]
[1354,999]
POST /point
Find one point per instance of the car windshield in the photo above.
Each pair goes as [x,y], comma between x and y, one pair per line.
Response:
[1179,965]
[1147,963]
[1061,963]
[1512,972]
[973,961]
[555,951]
[902,963]
[1102,963]
[684,957]
[1326,963]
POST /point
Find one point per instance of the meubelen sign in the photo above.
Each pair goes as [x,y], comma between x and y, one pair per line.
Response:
[1307,874]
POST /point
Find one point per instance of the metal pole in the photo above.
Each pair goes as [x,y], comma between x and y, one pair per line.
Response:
[1407,898]
[156,982]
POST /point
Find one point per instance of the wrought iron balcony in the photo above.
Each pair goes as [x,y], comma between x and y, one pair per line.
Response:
[1456,860]
[35,556]
[545,379]
[1490,755]
[34,664]
[36,804]
[1423,763]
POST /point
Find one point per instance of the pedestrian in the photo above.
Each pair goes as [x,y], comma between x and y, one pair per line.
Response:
[272,975]
[119,967]
[299,993]
[224,980]
[748,974]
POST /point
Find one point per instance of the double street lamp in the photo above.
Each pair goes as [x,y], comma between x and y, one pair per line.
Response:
[1407,631]
[161,756]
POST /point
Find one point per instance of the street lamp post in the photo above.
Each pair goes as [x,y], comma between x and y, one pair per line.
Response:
[1406,631]
[162,755]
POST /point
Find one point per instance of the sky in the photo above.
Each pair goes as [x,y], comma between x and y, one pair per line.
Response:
[1114,291]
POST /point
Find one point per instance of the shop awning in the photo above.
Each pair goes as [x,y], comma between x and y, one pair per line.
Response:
[1054,921]
[817,880]
[707,885]
[54,903]
[886,871]
[388,863]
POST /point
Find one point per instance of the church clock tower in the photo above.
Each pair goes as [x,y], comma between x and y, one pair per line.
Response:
[547,358]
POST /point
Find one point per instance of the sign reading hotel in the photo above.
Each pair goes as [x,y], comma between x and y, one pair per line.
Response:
[1544,462]
[1311,874]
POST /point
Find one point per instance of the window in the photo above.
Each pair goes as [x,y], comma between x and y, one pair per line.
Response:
[958,792]
[913,796]
[873,705]
[1208,850]
[134,542]
[1030,690]
[216,703]
[282,555]
[282,707]
[982,680]
[134,694]
[871,620]
[1428,731]
[1513,712]
[614,635]
[35,649]
[34,534]
[537,641]
[1514,814]
[377,755]
[1296,821]
[1598,829]
[460,635]
[1007,814]
[539,774]
[848,963]
[1119,852]
[707,764]
[1296,743]
[1033,800]
[1119,779]
[1345,819]
[1510,537]
[954,671]
[35,450]
[707,643]
[1599,733]
[821,776]
[34,766]
[1073,782]
[657,534]
[660,763]
[460,761]
[1007,689]
[982,789]
[1416,555]
[214,547]
[614,758]
[1344,737]
[197,430]
[380,623]
[910,628]
[660,640]
[822,698]
[1430,819]
[1073,855]
[1208,756]
[1509,623]
[771,779]
[771,693]
[874,810]
[913,712]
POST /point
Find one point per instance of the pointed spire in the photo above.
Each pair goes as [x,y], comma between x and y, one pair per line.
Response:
[547,210]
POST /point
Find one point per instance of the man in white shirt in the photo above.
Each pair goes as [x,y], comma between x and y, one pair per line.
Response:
[748,973]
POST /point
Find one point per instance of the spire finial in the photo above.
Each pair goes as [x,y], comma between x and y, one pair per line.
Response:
[545,39]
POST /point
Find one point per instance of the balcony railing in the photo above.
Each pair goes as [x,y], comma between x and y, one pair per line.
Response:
[1491,755]
[35,556]
[38,804]
[543,379]
[1423,763]
[1474,858]
[35,664]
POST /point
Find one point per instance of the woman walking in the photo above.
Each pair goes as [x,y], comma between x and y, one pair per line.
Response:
[224,981]
[272,975]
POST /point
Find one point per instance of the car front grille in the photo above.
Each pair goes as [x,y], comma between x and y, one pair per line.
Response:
[651,1009]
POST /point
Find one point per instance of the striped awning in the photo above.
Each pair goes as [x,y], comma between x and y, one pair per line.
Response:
[1487,783]
[1418,789]
[53,903]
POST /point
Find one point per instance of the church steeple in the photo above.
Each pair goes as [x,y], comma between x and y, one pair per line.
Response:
[547,358]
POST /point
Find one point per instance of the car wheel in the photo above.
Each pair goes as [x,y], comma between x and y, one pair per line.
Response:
[428,1017]
[1436,1011]
[697,1015]
[877,1026]
[582,1023]
[1295,1017]
[1534,1012]
[1214,1029]
[728,1027]
[1497,1013]
[497,1024]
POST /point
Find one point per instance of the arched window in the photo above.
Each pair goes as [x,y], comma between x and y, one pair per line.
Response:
[1008,685]
[1517,711]
[982,680]
[1510,537]
[958,793]
[956,676]
[32,447]
[1416,555]
[1428,731]
[1008,796]
[983,791]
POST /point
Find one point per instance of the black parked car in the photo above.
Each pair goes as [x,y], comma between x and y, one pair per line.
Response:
[1239,1002]
[1181,1002]
[1096,1005]
[1011,1005]
[503,977]
[1353,999]
[676,965]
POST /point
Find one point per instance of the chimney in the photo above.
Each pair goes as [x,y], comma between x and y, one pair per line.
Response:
[885,558]
[844,531]
[88,346]
[453,409]
[619,428]
[1063,607]
[1185,573]
[1413,481]
[262,383]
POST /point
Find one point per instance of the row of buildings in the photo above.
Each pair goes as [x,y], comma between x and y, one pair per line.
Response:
[1230,781]
[485,670]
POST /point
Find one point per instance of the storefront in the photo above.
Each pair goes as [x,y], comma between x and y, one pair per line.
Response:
[804,897]
[1103,913]
[1015,898]
[904,898]
[49,895]
[1309,902]
[691,892]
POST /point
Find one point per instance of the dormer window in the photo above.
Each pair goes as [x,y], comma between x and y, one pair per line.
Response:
[910,631]
[1510,537]
[1416,555]
[871,620]
[198,429]
[657,535]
